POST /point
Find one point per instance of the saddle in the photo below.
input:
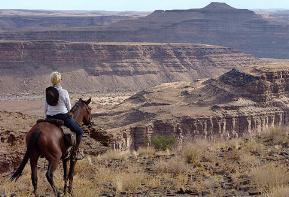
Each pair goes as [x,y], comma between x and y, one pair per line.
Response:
[69,137]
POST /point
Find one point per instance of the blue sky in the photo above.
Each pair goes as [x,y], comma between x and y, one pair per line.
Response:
[138,5]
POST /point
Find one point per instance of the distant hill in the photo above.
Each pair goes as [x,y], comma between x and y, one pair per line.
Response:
[31,20]
[216,24]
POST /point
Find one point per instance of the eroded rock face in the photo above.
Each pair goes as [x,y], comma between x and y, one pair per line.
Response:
[110,67]
[217,24]
[258,100]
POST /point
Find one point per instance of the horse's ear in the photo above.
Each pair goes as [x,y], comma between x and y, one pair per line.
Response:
[88,101]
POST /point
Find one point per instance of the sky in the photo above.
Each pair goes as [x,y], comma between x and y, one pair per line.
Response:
[136,5]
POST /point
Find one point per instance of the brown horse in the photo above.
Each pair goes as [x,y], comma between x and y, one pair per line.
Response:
[47,140]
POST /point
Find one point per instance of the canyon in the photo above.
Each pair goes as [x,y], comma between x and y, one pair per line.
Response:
[215,24]
[110,67]
[239,103]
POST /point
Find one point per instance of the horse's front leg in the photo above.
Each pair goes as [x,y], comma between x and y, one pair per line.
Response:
[71,174]
[65,177]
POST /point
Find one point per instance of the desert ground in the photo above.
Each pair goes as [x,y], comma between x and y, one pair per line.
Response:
[249,166]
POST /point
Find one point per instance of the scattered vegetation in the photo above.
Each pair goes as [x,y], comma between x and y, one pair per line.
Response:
[163,142]
[200,167]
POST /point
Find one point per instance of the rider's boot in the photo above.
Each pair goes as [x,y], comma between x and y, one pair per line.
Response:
[77,153]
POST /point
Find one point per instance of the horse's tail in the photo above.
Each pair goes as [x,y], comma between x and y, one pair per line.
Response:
[32,141]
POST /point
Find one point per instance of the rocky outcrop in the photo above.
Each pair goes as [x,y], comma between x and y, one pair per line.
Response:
[216,24]
[110,67]
[238,103]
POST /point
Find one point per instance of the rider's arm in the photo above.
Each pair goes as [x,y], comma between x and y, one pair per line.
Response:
[67,101]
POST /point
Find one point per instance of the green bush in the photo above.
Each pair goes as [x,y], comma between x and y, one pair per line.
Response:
[163,142]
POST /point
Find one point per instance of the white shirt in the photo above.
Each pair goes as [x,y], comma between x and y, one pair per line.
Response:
[63,106]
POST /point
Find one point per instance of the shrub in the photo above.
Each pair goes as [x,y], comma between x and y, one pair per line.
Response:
[162,142]
[193,152]
[191,155]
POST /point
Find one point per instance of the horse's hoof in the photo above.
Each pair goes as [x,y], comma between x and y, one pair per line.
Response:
[35,193]
[70,192]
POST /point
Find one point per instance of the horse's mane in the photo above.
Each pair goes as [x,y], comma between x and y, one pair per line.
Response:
[79,104]
[76,106]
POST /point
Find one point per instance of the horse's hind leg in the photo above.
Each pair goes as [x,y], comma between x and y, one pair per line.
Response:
[49,175]
[65,177]
[33,163]
[71,174]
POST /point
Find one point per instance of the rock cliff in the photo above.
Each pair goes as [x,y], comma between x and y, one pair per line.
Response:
[238,103]
[216,24]
[110,67]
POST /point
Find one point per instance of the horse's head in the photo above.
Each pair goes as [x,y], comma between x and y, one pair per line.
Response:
[81,112]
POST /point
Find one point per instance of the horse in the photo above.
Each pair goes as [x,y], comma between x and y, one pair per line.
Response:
[47,140]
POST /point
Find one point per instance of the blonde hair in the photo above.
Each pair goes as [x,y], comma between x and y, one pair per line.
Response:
[55,78]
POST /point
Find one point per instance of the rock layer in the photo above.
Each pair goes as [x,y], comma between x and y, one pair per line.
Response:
[217,24]
[110,67]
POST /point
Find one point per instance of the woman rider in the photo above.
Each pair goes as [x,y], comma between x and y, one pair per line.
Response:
[60,111]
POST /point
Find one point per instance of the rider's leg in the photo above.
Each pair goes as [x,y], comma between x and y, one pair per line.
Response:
[74,127]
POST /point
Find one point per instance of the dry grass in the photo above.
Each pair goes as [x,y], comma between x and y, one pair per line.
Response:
[252,146]
[85,186]
[23,186]
[175,165]
[198,166]
[248,160]
[269,176]
[181,180]
[128,181]
[193,151]
[279,192]
[114,155]
[146,151]
[277,136]
[192,156]
[122,180]
[153,182]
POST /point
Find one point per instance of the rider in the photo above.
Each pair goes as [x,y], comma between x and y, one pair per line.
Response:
[61,111]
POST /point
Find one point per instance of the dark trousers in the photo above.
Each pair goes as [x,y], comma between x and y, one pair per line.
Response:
[69,122]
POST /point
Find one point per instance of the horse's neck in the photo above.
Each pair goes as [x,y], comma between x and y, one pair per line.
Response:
[77,116]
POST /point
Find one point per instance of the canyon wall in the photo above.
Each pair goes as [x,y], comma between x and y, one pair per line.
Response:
[109,67]
[208,128]
[259,100]
[216,24]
